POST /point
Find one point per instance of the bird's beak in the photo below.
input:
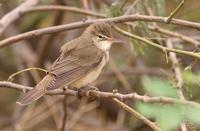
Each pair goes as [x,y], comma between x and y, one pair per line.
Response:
[112,40]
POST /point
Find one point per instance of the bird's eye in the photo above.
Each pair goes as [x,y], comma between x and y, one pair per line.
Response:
[100,36]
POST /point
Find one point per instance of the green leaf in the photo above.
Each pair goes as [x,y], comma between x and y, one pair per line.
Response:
[148,109]
[168,117]
[193,115]
[158,87]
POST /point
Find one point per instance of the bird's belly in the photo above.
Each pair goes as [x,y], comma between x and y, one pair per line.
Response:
[91,76]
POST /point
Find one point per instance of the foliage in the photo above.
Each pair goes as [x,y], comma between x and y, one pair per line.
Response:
[169,117]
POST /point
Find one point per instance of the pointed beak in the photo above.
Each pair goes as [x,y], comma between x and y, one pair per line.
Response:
[112,40]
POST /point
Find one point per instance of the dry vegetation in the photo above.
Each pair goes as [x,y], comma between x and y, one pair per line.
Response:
[151,82]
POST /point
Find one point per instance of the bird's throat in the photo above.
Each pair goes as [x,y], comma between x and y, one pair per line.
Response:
[104,45]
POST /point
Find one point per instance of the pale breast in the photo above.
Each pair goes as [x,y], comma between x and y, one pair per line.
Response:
[93,75]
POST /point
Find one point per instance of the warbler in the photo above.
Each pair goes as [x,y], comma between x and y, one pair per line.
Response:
[80,62]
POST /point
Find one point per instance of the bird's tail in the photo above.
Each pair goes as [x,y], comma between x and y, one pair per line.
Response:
[37,92]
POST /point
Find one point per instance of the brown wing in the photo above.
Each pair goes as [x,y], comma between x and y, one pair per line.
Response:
[74,64]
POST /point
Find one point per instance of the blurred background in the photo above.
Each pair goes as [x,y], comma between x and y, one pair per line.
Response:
[133,67]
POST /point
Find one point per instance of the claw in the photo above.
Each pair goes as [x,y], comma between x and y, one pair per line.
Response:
[84,91]
[93,88]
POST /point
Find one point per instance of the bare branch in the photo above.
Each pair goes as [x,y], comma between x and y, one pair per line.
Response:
[64,114]
[76,25]
[7,19]
[14,86]
[175,34]
[99,94]
[178,75]
[165,49]
[169,18]
[59,8]
[136,114]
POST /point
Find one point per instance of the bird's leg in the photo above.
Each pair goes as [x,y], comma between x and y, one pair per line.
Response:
[91,87]
[83,91]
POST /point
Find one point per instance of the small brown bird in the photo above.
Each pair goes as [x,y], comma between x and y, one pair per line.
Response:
[80,63]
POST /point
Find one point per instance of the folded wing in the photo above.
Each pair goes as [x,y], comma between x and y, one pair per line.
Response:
[72,66]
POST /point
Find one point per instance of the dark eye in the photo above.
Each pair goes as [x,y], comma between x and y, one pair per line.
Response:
[100,36]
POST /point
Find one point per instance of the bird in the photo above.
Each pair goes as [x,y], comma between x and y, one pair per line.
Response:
[80,62]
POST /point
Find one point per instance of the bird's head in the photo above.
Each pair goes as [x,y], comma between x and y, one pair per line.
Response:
[100,34]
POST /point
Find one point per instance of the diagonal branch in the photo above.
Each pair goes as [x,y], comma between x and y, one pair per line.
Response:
[165,49]
[10,17]
[166,32]
[136,114]
[169,18]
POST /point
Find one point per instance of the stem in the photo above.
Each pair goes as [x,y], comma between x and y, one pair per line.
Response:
[11,77]
[136,114]
[169,18]
[193,54]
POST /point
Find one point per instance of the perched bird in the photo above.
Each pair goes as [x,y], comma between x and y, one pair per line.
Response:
[80,63]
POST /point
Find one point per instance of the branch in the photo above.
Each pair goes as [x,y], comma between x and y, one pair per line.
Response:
[146,99]
[169,18]
[175,34]
[100,94]
[59,8]
[176,68]
[136,114]
[193,54]
[64,121]
[13,15]
[178,75]
[13,85]
[76,25]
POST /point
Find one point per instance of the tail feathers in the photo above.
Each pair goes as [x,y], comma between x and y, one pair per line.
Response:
[30,97]
[37,92]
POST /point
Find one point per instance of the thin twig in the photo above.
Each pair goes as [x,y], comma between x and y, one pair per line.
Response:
[169,18]
[176,68]
[175,34]
[11,77]
[64,113]
[178,75]
[165,49]
[136,114]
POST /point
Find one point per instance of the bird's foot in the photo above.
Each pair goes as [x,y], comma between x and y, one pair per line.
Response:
[90,87]
[85,91]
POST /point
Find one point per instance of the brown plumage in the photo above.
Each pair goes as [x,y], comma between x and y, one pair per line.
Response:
[80,63]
